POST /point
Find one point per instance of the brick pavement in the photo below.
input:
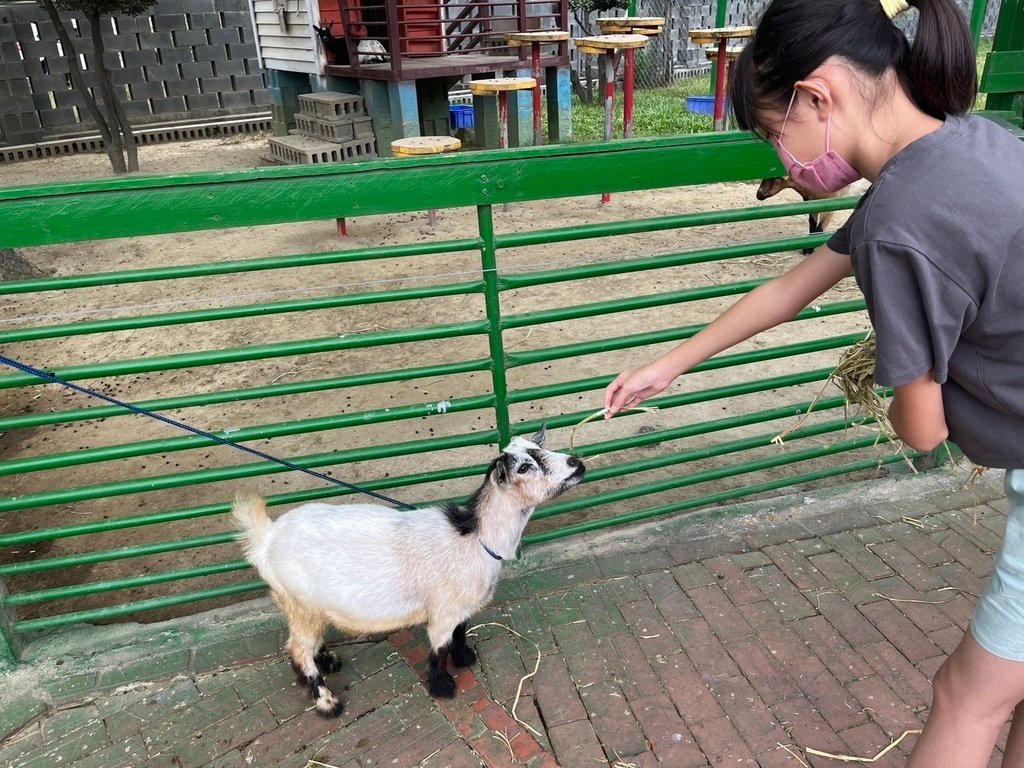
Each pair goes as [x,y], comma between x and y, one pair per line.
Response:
[740,640]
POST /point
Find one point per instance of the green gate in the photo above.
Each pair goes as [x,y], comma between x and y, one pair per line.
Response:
[107,514]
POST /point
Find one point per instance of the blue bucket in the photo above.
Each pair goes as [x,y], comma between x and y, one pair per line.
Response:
[461,116]
[701,105]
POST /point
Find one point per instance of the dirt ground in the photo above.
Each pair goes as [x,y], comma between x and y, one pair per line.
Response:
[309,282]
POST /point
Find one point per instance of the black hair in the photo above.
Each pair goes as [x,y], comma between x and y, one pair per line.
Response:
[795,37]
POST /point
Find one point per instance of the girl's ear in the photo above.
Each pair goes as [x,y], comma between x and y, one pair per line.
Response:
[818,94]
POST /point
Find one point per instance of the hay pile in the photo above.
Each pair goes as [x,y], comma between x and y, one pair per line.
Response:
[855,376]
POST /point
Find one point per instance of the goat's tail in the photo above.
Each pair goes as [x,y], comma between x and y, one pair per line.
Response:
[250,514]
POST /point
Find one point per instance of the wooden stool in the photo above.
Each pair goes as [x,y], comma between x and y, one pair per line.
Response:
[719,38]
[607,46]
[501,86]
[425,145]
[631,25]
[535,39]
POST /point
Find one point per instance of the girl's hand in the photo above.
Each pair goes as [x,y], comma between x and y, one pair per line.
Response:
[632,387]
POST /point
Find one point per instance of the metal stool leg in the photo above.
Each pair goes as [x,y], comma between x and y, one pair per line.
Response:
[503,136]
[538,134]
[720,87]
[609,104]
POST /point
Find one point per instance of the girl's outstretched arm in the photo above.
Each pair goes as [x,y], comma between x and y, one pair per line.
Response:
[764,307]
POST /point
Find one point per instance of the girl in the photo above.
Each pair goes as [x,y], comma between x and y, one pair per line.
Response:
[937,247]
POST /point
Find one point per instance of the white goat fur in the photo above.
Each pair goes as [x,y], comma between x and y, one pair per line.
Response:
[370,569]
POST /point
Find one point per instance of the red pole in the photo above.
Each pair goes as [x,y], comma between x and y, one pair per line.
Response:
[342,228]
[720,87]
[538,135]
[627,94]
[609,103]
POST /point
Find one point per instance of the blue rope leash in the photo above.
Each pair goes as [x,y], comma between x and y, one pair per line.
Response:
[47,376]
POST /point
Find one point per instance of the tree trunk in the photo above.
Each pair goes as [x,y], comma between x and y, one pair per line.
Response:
[116,140]
[577,86]
[121,122]
[116,158]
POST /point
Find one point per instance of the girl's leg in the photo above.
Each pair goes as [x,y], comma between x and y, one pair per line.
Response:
[973,694]
[1013,754]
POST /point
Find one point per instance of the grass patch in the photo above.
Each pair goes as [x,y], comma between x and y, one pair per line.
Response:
[656,112]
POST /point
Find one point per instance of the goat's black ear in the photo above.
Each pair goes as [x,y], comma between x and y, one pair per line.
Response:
[500,467]
[541,436]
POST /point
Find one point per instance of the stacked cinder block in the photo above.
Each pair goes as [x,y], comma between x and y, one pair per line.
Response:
[333,128]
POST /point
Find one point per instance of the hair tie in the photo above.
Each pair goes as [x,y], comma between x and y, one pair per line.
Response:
[894,8]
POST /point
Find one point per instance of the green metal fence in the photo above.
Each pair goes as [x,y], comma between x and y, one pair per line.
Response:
[105,514]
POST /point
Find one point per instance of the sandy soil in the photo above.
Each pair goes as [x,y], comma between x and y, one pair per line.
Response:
[259,287]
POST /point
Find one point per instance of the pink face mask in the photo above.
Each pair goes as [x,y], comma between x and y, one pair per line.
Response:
[826,173]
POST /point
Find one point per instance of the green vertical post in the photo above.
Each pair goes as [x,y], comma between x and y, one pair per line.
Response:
[1009,36]
[631,11]
[492,301]
[721,14]
[978,20]
[9,646]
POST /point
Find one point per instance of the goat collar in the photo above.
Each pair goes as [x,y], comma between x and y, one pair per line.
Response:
[490,551]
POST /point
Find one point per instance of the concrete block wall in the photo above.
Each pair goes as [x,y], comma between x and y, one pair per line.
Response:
[182,59]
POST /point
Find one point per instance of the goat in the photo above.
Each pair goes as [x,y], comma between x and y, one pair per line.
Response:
[816,221]
[369,569]
[368,51]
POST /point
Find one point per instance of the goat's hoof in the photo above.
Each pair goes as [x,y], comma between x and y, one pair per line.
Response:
[442,686]
[327,663]
[807,251]
[329,706]
[463,657]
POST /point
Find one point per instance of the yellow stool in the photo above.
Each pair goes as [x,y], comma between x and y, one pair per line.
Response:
[631,25]
[425,145]
[535,39]
[502,86]
[607,46]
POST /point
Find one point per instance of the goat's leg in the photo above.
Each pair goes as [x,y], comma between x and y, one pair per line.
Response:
[461,654]
[306,647]
[814,226]
[440,683]
[327,662]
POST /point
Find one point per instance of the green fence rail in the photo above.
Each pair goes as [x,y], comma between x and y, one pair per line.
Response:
[406,389]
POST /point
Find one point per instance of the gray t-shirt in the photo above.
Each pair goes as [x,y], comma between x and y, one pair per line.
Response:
[937,246]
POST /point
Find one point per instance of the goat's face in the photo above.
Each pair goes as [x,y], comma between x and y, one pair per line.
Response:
[770,188]
[532,475]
